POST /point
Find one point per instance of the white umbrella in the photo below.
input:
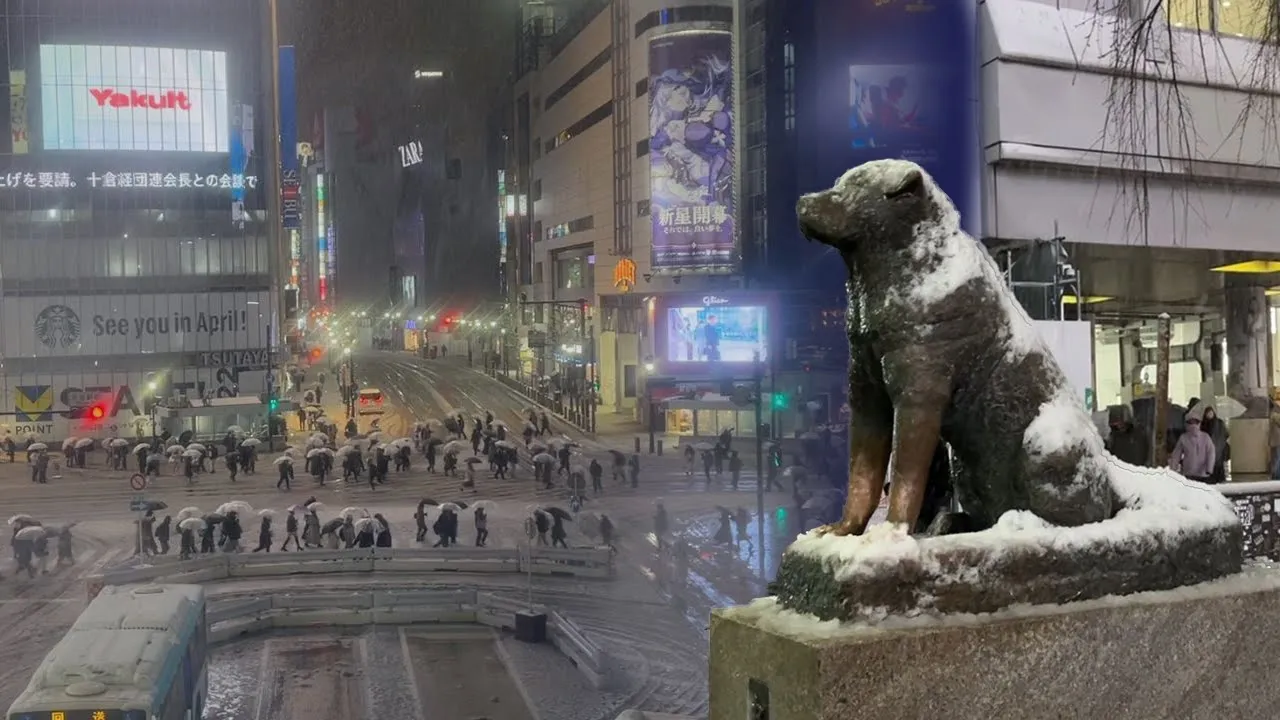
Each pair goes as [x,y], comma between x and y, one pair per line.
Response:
[191,524]
[174,449]
[84,442]
[197,447]
[22,519]
[405,441]
[313,409]
[450,506]
[487,505]
[473,460]
[284,460]
[795,472]
[499,423]
[235,430]
[346,450]
[354,512]
[506,445]
[317,452]
[375,437]
[318,439]
[69,443]
[30,533]
[37,447]
[362,524]
[239,507]
[289,452]
[193,454]
[140,447]
[315,507]
[323,420]
[189,512]
[119,442]
[454,447]
[251,442]
[266,513]
[544,459]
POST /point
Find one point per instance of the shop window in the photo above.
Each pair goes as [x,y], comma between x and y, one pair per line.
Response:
[1238,18]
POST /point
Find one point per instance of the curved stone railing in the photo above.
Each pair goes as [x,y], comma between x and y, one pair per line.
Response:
[594,563]
[234,615]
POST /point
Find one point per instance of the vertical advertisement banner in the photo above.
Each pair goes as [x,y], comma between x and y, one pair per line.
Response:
[691,151]
[18,111]
[290,180]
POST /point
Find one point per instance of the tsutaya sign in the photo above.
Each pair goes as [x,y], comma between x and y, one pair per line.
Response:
[133,180]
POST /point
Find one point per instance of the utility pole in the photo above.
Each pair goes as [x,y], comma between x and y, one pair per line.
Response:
[277,259]
[757,393]
[1159,449]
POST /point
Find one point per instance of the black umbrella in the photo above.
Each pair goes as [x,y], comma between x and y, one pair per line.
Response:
[557,513]
[213,519]
[617,455]
[333,525]
[435,441]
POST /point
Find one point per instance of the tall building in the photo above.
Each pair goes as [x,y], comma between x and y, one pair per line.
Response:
[135,243]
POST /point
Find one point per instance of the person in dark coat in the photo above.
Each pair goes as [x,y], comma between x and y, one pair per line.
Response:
[596,470]
[206,538]
[482,527]
[264,535]
[231,532]
[1216,429]
[163,531]
[543,524]
[187,544]
[1127,440]
[558,533]
[291,532]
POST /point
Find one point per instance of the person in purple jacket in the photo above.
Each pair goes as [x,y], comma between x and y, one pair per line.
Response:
[1194,455]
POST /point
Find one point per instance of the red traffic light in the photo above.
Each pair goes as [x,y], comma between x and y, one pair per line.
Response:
[97,412]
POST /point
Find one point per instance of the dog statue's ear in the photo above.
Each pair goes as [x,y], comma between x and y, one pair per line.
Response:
[911,183]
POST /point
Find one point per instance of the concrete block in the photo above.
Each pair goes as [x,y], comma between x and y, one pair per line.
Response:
[1207,651]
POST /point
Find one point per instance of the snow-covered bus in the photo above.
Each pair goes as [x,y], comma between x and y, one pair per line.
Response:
[136,653]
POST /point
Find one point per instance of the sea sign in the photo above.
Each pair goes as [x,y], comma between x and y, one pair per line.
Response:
[206,323]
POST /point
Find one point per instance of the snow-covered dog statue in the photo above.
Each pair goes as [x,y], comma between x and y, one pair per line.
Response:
[941,351]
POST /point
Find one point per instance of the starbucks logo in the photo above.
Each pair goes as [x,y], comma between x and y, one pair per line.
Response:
[58,326]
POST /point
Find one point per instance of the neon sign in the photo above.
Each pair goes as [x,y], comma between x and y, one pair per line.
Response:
[134,180]
[169,100]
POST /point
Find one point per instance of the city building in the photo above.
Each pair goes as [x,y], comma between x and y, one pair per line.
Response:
[137,250]
[1006,120]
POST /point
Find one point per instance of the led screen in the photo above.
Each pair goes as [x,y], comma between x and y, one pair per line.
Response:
[100,97]
[717,333]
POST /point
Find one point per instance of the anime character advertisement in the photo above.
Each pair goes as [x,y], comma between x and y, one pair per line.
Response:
[894,108]
[691,150]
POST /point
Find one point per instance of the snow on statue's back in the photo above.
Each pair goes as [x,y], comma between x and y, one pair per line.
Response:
[941,352]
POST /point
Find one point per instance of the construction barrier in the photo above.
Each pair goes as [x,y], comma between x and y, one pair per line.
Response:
[233,616]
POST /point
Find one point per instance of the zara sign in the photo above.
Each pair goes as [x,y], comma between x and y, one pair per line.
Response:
[411,154]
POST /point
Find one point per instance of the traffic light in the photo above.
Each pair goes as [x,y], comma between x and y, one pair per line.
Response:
[273,404]
[780,401]
[780,518]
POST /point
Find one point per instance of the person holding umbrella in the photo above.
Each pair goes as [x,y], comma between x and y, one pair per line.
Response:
[482,524]
[291,530]
[558,533]
[162,534]
[420,518]
[188,529]
[24,541]
[264,531]
[284,466]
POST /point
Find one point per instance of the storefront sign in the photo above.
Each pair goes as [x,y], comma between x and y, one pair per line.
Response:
[624,275]
[410,154]
[290,179]
[128,180]
[243,359]
[133,324]
[115,97]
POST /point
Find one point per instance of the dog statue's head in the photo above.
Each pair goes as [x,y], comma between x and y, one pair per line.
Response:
[877,202]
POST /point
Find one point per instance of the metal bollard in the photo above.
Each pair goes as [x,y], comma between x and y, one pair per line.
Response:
[637,446]
[659,448]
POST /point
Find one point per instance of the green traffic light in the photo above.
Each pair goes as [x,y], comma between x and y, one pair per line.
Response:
[780,401]
[273,404]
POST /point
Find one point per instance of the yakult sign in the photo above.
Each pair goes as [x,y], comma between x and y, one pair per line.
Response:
[134,324]
[101,97]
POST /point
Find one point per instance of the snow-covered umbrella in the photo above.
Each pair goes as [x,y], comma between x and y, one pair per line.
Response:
[353,512]
[69,443]
[84,443]
[318,452]
[454,507]
[473,460]
[174,449]
[375,437]
[346,450]
[332,526]
[251,442]
[22,520]
[193,454]
[37,447]
[284,460]
[235,430]
[323,420]
[32,533]
[188,512]
[362,524]
[556,512]
[486,505]
[191,524]
[499,423]
[544,459]
[315,507]
[238,507]
[52,531]
[266,513]
[119,442]
[506,445]
[315,409]
[537,447]
[318,439]
[197,447]
[141,448]
[455,447]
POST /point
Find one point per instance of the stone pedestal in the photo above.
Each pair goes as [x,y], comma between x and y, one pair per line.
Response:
[531,627]
[1210,651]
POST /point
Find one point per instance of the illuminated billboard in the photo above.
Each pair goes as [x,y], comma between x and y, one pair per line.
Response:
[700,333]
[691,150]
[106,97]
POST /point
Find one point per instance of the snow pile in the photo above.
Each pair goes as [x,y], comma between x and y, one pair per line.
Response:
[1158,508]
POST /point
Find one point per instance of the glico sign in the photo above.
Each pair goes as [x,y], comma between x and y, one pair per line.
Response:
[170,100]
